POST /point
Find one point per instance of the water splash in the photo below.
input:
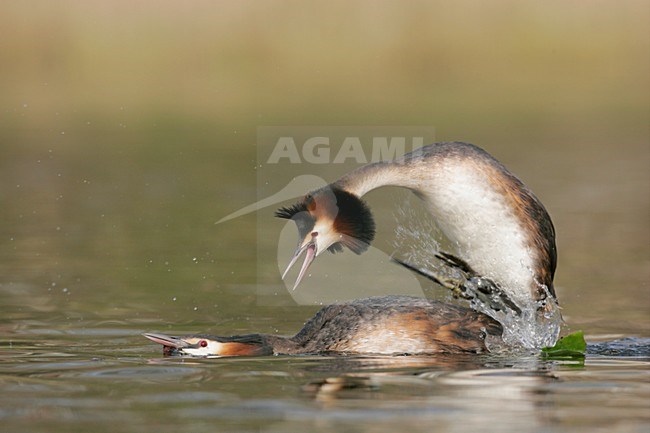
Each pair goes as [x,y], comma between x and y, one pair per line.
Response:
[534,328]
[528,324]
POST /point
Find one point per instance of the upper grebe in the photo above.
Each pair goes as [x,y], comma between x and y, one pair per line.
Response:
[505,245]
[381,325]
[501,231]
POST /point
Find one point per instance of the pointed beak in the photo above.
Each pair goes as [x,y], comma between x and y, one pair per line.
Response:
[310,248]
[168,341]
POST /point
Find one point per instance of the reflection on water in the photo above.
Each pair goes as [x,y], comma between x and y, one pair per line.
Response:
[124,381]
[66,372]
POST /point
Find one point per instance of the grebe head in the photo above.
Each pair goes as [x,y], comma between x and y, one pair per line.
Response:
[328,219]
[209,345]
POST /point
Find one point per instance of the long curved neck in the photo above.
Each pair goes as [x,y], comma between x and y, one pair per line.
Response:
[375,175]
[498,225]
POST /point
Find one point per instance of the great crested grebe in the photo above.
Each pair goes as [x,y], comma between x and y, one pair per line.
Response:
[505,245]
[502,233]
[380,325]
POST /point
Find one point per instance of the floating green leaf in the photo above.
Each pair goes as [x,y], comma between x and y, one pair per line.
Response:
[571,346]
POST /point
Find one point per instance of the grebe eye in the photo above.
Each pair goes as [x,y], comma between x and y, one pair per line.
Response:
[203,343]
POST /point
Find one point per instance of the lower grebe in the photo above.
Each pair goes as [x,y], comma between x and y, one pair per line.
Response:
[379,325]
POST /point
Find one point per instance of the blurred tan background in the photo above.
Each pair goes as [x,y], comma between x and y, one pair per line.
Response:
[570,68]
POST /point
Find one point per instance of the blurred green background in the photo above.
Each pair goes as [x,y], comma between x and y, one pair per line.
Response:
[128,128]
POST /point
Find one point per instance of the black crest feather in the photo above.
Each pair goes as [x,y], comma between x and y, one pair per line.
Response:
[288,212]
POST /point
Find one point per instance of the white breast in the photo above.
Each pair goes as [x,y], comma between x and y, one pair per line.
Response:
[476,217]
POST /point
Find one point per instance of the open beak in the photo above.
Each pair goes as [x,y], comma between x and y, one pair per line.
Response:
[310,248]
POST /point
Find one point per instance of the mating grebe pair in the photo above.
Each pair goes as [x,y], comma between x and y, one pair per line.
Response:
[505,247]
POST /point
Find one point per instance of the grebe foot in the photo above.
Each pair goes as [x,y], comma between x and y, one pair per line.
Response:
[470,286]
